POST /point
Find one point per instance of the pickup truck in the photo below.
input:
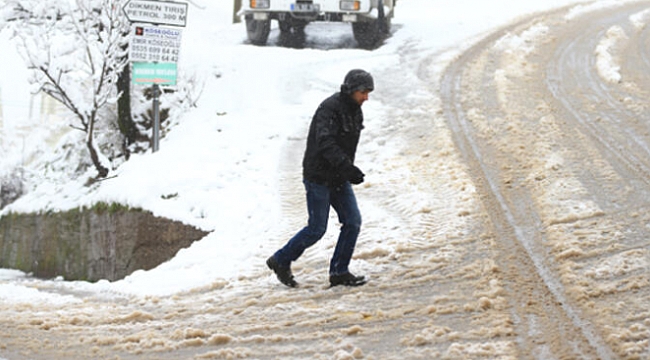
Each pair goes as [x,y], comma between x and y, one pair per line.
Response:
[370,19]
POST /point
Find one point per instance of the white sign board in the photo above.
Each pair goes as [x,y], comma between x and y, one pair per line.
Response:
[154,44]
[156,12]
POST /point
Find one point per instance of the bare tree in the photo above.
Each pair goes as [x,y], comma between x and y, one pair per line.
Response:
[77,51]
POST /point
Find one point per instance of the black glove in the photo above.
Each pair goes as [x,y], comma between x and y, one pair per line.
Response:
[353,174]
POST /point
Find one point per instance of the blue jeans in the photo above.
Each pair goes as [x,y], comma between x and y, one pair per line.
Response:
[319,200]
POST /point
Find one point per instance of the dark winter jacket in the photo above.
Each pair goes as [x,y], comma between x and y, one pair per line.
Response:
[332,140]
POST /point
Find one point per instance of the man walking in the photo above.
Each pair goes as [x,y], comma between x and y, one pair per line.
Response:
[328,172]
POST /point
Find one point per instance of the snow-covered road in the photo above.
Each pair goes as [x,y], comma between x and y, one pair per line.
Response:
[550,115]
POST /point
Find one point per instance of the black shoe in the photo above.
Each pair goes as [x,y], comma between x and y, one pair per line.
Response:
[347,279]
[283,273]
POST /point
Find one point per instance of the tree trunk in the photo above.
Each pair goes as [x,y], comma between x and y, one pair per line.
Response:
[124,116]
[102,172]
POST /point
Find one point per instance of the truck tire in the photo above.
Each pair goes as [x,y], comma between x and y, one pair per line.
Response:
[258,30]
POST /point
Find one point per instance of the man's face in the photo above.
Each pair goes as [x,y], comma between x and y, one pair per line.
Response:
[360,96]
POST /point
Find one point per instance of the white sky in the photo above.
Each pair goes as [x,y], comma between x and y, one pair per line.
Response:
[223,158]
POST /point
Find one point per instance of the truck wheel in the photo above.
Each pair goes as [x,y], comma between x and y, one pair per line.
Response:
[258,30]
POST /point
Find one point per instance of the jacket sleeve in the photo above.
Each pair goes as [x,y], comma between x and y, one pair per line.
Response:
[327,130]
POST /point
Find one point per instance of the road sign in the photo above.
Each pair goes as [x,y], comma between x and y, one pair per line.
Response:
[150,43]
[156,12]
[145,73]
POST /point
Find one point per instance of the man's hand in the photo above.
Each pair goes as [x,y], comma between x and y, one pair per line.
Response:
[353,174]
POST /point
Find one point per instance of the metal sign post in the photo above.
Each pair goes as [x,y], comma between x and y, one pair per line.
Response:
[156,117]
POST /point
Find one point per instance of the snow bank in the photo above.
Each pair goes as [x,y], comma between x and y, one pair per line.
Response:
[608,54]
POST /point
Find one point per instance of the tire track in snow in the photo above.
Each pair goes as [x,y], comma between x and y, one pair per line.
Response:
[608,260]
[569,189]
[622,144]
[550,326]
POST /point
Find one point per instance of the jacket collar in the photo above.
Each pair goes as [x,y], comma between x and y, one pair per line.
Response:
[349,101]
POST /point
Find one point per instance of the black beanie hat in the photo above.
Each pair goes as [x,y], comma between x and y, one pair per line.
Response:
[357,80]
